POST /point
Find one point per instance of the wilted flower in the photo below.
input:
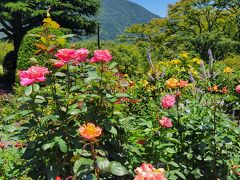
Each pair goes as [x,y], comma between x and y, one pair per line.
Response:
[165,122]
[168,101]
[148,172]
[89,131]
[101,55]
[228,70]
[238,89]
[33,75]
[65,54]
[172,83]
[224,90]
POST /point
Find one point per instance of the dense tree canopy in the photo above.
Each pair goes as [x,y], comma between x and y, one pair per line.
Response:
[18,16]
[194,25]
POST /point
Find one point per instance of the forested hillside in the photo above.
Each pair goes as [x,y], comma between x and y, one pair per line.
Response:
[118,14]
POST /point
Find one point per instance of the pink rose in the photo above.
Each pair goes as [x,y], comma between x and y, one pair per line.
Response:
[148,172]
[81,55]
[238,89]
[65,54]
[58,64]
[168,101]
[165,122]
[101,55]
[32,75]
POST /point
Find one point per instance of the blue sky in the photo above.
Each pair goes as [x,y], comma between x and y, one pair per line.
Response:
[158,7]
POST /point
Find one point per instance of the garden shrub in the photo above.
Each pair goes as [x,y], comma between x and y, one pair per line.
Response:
[231,61]
[34,40]
[1,70]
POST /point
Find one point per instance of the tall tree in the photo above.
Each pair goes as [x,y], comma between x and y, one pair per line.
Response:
[19,16]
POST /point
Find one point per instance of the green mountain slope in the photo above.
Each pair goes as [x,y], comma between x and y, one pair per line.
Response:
[116,15]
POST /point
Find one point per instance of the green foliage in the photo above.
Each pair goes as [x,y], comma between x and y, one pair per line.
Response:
[1,70]
[230,61]
[29,52]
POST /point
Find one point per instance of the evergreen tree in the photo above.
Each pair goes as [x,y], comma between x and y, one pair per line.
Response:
[19,16]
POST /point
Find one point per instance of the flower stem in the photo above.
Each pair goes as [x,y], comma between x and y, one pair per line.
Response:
[93,154]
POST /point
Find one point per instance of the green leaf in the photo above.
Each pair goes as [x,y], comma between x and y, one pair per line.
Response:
[60,74]
[74,111]
[68,36]
[174,164]
[104,164]
[111,129]
[24,112]
[9,117]
[28,90]
[170,150]
[117,169]
[62,144]
[118,95]
[36,87]
[48,146]
[9,128]
[39,99]
[180,174]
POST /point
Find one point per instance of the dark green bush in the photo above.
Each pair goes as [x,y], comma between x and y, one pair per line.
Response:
[28,47]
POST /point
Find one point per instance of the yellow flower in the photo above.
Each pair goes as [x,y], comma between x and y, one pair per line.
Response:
[172,83]
[144,82]
[228,70]
[184,55]
[175,61]
[198,61]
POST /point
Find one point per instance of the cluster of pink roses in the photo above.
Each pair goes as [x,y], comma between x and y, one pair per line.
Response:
[148,172]
[168,101]
[33,75]
[79,56]
[36,74]
[71,55]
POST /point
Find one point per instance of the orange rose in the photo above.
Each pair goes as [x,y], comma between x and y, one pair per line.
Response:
[172,83]
[89,131]
[183,84]
[215,88]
